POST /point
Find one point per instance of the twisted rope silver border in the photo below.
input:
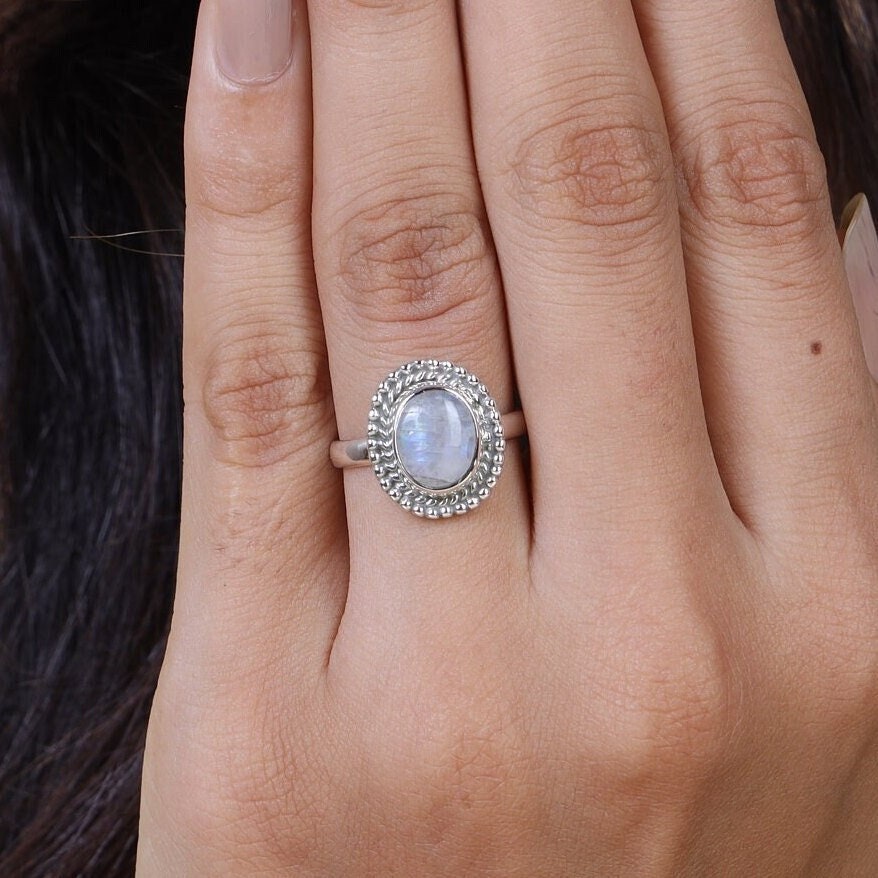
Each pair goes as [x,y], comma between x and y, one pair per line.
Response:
[394,391]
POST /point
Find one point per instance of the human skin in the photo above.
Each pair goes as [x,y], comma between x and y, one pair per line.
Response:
[653,652]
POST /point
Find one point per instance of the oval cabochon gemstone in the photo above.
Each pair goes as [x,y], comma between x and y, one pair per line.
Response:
[436,439]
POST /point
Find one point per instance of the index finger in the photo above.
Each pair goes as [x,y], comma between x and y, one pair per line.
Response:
[263,511]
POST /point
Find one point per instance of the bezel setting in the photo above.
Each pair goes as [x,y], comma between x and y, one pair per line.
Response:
[387,405]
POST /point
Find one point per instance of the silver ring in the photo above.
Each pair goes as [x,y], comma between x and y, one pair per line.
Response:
[435,439]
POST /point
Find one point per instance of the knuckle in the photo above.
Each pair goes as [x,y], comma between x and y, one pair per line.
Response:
[466,786]
[262,397]
[837,676]
[415,260]
[238,180]
[832,611]
[757,175]
[271,793]
[670,722]
[461,757]
[248,792]
[392,7]
[613,177]
[472,771]
[851,693]
[677,730]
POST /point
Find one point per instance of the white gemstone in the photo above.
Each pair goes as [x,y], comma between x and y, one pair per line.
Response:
[436,439]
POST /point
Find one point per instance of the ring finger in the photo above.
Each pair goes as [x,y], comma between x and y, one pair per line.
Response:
[784,379]
[406,271]
[578,176]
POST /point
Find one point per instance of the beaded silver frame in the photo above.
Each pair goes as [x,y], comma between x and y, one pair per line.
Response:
[388,402]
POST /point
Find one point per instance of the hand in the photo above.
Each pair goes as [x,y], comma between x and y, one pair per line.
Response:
[652,651]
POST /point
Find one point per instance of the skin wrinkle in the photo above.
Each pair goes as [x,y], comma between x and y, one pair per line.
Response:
[90,379]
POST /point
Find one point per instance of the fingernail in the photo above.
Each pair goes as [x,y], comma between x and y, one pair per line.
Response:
[255,39]
[860,250]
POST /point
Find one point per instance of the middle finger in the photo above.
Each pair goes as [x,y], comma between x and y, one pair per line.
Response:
[577,171]
[406,270]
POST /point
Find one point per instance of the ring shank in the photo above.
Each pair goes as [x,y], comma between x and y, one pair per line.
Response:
[354,452]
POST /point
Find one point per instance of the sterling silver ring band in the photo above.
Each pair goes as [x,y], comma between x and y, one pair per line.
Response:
[435,439]
[354,453]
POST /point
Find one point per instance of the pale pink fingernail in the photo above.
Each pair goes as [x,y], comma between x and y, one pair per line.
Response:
[860,249]
[254,39]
